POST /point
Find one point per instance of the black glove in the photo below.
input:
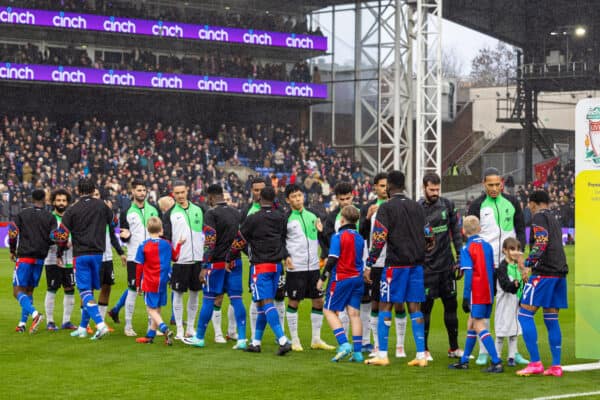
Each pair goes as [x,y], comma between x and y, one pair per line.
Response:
[466,305]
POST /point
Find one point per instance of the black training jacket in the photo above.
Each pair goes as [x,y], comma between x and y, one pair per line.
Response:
[86,220]
[221,225]
[35,225]
[265,232]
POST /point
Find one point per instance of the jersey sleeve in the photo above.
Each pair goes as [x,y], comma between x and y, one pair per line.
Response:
[210,235]
[123,223]
[167,228]
[539,228]
[335,246]
[465,259]
[380,234]
[455,222]
[139,256]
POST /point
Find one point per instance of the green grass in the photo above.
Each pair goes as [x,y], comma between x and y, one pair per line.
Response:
[53,365]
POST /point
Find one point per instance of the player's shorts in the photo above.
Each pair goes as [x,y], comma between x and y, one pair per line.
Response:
[155,299]
[481,311]
[28,272]
[302,285]
[341,294]
[375,286]
[233,279]
[439,285]
[264,280]
[546,292]
[186,276]
[131,271]
[107,273]
[215,279]
[87,271]
[280,292]
[58,276]
[400,284]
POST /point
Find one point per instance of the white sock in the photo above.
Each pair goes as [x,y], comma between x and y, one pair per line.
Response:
[102,310]
[253,315]
[129,308]
[400,331]
[499,345]
[292,320]
[373,321]
[178,310]
[482,349]
[512,347]
[280,305]
[231,322]
[49,305]
[217,318]
[365,314]
[68,304]
[316,321]
[345,321]
[192,309]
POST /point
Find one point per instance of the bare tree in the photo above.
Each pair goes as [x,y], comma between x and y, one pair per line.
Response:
[452,65]
[493,66]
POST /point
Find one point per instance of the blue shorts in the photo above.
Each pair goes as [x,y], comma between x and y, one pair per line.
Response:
[27,272]
[402,285]
[264,279]
[347,292]
[156,299]
[87,271]
[233,280]
[545,292]
[215,279]
[481,311]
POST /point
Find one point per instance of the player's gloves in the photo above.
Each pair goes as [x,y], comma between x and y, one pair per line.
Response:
[466,305]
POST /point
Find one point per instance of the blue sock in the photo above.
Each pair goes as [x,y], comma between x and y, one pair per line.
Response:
[240,315]
[261,323]
[172,313]
[89,304]
[24,316]
[340,335]
[469,346]
[529,333]
[357,343]
[383,329]
[554,336]
[418,329]
[85,318]
[273,318]
[163,327]
[151,333]
[206,312]
[26,305]
[488,342]
[121,303]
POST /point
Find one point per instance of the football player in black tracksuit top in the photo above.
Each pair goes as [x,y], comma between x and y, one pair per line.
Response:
[29,241]
[444,220]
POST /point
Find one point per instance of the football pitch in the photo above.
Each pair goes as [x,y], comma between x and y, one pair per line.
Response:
[54,365]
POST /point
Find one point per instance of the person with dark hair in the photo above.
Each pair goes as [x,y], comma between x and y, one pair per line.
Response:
[440,269]
[185,220]
[258,184]
[29,242]
[220,274]
[302,263]
[59,276]
[264,233]
[401,224]
[500,217]
[545,272]
[86,221]
[134,231]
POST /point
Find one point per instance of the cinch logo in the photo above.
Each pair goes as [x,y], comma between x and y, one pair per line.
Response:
[69,22]
[208,34]
[256,88]
[125,79]
[60,75]
[213,86]
[17,17]
[119,26]
[254,38]
[300,43]
[8,72]
[167,83]
[171,31]
[298,91]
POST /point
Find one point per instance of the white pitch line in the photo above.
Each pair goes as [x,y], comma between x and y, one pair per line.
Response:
[567,396]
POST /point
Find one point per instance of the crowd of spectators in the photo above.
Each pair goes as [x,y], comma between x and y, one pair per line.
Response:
[225,62]
[178,12]
[38,153]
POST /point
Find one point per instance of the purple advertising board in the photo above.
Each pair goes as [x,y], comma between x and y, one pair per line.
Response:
[132,26]
[158,80]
